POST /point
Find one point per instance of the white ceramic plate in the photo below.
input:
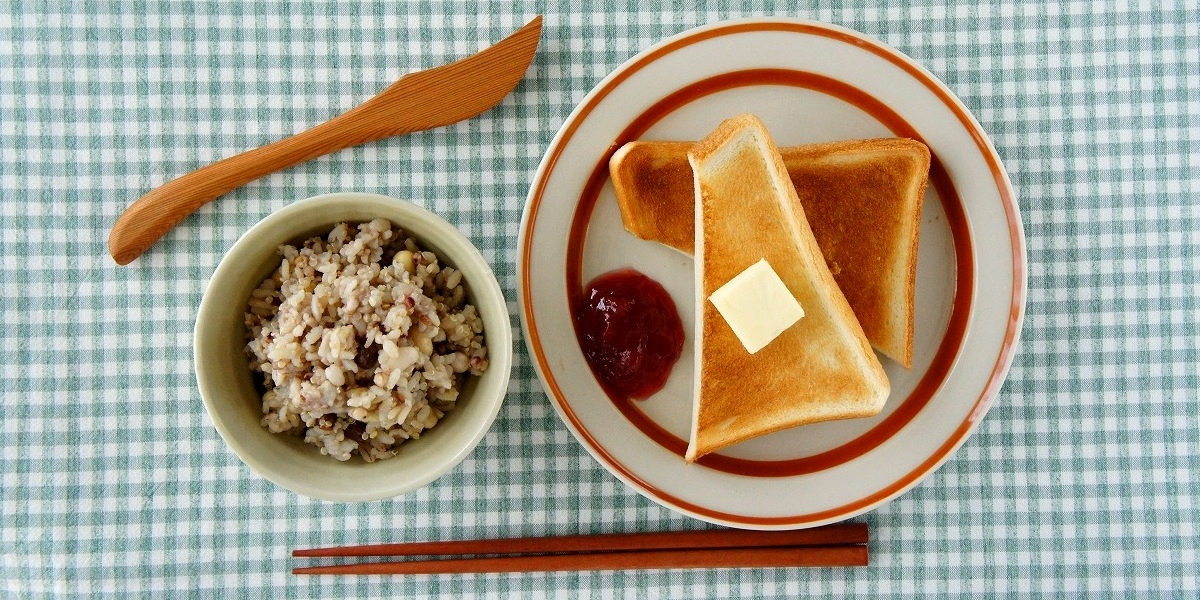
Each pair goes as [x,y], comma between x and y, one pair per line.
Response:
[809,82]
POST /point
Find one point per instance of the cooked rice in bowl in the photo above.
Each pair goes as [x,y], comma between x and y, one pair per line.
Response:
[363,339]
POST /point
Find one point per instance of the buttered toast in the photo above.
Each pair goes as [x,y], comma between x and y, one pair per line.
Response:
[862,199]
[819,369]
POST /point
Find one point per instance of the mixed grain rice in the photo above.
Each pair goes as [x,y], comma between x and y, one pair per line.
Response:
[363,340]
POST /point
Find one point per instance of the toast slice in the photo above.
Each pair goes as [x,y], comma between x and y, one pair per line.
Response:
[819,369]
[851,192]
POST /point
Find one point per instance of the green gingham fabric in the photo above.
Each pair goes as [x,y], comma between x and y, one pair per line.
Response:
[1081,482]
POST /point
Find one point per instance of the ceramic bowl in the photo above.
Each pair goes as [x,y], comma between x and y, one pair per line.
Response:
[234,403]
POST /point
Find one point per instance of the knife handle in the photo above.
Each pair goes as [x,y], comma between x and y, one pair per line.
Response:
[152,215]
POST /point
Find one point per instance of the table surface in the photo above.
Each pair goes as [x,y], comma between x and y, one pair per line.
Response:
[1082,480]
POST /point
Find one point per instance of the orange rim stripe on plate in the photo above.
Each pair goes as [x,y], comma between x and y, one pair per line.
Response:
[948,349]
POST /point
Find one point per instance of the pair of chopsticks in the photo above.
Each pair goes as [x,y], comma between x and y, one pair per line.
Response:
[842,545]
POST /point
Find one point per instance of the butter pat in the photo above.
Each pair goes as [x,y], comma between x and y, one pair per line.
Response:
[757,305]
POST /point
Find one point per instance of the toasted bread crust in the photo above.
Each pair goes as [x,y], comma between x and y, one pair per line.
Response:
[851,192]
[822,368]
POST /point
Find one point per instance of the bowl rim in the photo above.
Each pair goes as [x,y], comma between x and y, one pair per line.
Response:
[463,250]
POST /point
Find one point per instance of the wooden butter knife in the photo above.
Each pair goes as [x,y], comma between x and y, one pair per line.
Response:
[417,101]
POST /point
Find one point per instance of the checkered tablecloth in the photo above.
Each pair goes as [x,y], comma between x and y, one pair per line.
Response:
[1082,481]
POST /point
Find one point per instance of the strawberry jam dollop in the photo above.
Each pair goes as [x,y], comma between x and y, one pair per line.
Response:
[630,332]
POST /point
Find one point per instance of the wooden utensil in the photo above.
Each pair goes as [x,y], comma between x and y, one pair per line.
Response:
[828,546]
[721,558]
[417,101]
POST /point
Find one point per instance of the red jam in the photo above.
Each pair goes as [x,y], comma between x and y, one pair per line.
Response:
[630,332]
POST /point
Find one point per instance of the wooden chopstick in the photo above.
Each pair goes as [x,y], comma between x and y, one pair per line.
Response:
[829,546]
[829,535]
[803,556]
